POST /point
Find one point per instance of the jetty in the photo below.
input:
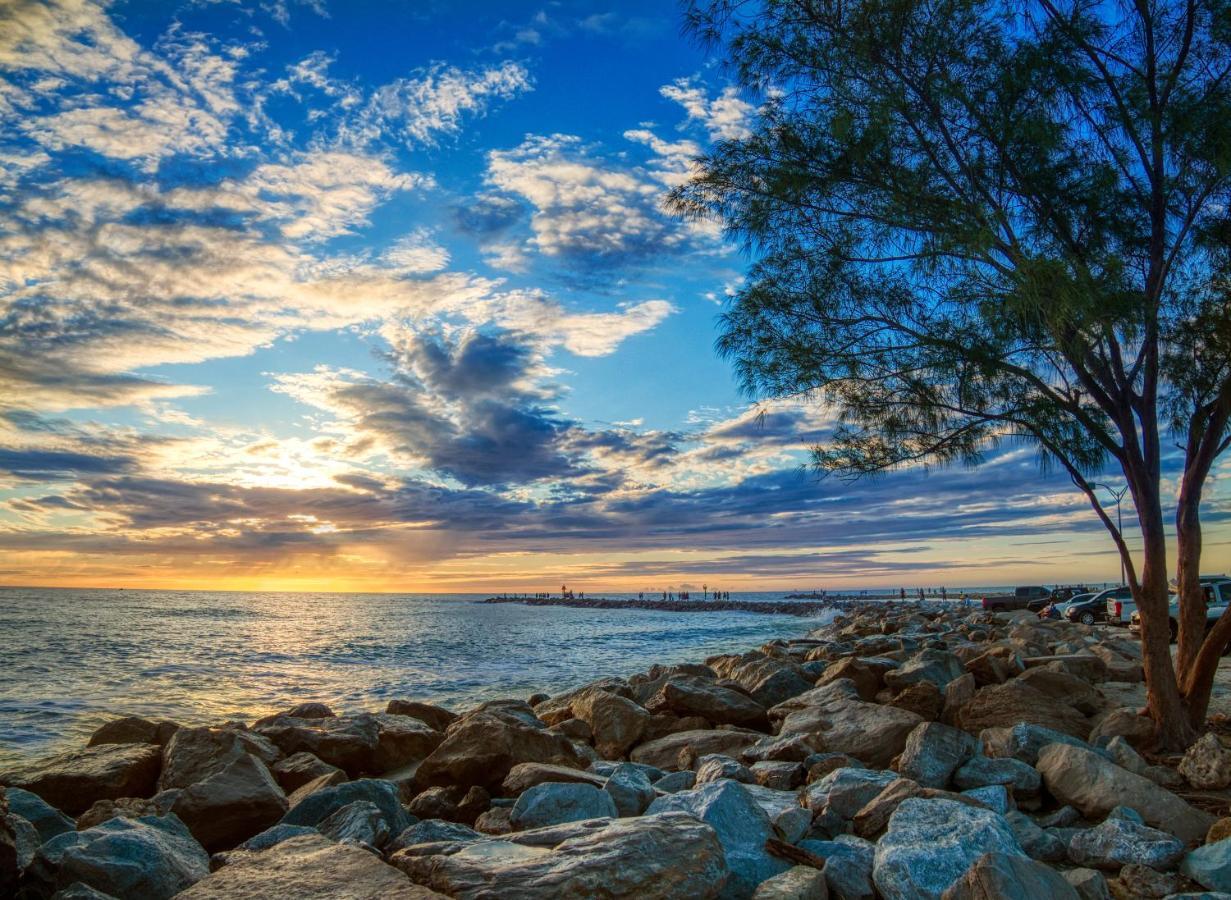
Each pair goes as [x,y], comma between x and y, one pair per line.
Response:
[657,604]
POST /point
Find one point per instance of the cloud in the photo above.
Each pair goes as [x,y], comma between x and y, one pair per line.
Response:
[725,117]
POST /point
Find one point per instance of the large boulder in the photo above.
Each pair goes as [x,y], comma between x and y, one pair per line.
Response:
[480,748]
[401,741]
[930,844]
[11,862]
[630,790]
[46,819]
[1023,741]
[232,805]
[1117,842]
[1007,704]
[842,793]
[433,716]
[981,771]
[150,857]
[664,753]
[866,678]
[1065,688]
[554,803]
[742,826]
[74,781]
[194,754]
[769,681]
[132,730]
[298,769]
[655,857]
[686,695]
[616,723]
[1095,786]
[937,666]
[1210,866]
[1004,876]
[934,752]
[1207,764]
[360,744]
[848,865]
[360,822]
[796,883]
[309,867]
[833,718]
[316,807]
[524,776]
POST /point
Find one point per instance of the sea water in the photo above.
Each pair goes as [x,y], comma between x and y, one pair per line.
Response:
[73,659]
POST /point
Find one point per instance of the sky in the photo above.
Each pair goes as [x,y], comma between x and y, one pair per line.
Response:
[310,295]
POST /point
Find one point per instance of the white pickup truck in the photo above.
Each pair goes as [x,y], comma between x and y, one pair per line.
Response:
[1217,598]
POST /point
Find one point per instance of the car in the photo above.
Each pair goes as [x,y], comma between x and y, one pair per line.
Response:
[1057,609]
[1120,606]
[1059,595]
[1217,598]
[1095,609]
[1031,597]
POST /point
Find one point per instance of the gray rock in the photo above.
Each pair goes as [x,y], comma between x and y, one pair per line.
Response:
[937,666]
[656,857]
[1118,842]
[716,767]
[80,891]
[524,776]
[848,865]
[1089,884]
[150,857]
[46,819]
[271,837]
[73,782]
[630,790]
[552,803]
[1022,779]
[25,840]
[843,792]
[1121,752]
[783,776]
[360,822]
[664,752]
[742,827]
[833,718]
[1061,818]
[432,831]
[232,804]
[933,752]
[1001,876]
[931,843]
[1210,866]
[676,781]
[309,867]
[995,797]
[315,808]
[796,883]
[298,769]
[686,695]
[1037,843]
[1024,741]
[1095,786]
[1207,764]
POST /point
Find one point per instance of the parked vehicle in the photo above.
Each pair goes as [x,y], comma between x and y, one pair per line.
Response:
[1021,598]
[1056,610]
[1060,594]
[1120,606]
[1095,608]
[1217,598]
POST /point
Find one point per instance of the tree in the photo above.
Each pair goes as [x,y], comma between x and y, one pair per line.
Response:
[977,221]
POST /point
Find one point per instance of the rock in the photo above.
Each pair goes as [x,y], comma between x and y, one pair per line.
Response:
[842,793]
[315,808]
[194,754]
[980,771]
[524,776]
[848,866]
[559,708]
[796,883]
[1095,786]
[1137,730]
[497,820]
[1121,752]
[481,748]
[11,862]
[933,752]
[151,857]
[616,722]
[995,797]
[72,782]
[431,831]
[1065,688]
[310,710]
[46,819]
[1088,883]
[833,718]
[554,804]
[782,776]
[1060,818]
[271,837]
[360,822]
[923,698]
[1013,702]
[664,753]
[873,816]
[1220,830]
[132,730]
[767,680]
[348,742]
[1120,841]
[630,790]
[989,668]
[742,827]
[1035,841]
[676,781]
[788,748]
[689,696]
[316,784]
[1023,741]
[1207,764]
[1136,882]
[1001,876]
[1210,866]
[128,808]
[435,717]
[575,730]
[447,803]
[931,843]
[867,679]
[310,867]
[937,666]
[298,769]
[232,805]
[656,857]
[958,693]
[402,740]
[715,767]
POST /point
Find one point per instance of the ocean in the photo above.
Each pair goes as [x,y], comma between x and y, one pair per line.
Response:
[73,659]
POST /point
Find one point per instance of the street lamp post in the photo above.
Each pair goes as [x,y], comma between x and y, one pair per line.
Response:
[1118,495]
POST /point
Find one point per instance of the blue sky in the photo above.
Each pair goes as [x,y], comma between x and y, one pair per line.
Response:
[383,296]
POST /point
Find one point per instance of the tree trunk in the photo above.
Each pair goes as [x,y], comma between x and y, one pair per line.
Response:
[1196,655]
[1173,730]
[1197,681]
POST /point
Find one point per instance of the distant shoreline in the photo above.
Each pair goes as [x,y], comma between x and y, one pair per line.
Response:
[763,607]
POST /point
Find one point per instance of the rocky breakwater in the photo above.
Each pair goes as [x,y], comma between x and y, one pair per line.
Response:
[893,754]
